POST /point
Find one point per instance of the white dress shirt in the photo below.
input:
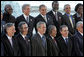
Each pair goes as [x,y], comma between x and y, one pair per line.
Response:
[10,39]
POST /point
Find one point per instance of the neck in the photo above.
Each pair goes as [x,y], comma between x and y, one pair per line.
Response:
[9,35]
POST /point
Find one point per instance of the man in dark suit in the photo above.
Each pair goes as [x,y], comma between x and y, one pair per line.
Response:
[56,16]
[23,39]
[52,30]
[39,40]
[78,39]
[7,15]
[64,42]
[26,18]
[68,19]
[2,49]
[43,17]
[9,42]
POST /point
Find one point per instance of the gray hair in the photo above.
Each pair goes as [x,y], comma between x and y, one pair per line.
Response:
[78,23]
[8,25]
[39,24]
[21,23]
[24,6]
[63,26]
[50,28]
[65,6]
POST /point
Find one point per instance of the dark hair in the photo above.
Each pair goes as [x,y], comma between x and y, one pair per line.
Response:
[54,2]
[41,6]
[62,26]
[77,6]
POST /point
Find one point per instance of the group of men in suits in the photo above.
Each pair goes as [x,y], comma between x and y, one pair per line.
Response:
[53,33]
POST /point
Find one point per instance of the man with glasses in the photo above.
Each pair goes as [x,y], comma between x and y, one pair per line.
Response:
[23,39]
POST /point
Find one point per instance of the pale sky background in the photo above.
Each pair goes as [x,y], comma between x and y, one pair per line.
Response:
[49,3]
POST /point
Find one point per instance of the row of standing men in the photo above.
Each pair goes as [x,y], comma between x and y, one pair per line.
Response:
[50,18]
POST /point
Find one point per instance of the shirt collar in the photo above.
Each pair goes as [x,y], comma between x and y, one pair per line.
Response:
[23,35]
[81,33]
[40,35]
[25,16]
[54,12]
[8,37]
[43,16]
[64,37]
[52,37]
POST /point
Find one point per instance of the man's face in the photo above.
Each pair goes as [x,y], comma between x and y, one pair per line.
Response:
[42,29]
[65,32]
[43,10]
[55,6]
[26,10]
[80,28]
[11,30]
[54,32]
[24,29]
[67,9]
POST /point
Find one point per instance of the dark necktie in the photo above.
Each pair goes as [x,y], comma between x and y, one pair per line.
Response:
[56,16]
[28,45]
[27,19]
[66,41]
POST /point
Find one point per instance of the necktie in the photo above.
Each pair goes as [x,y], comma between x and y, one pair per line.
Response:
[45,19]
[66,41]
[28,45]
[44,41]
[71,21]
[56,16]
[55,41]
[11,42]
[27,19]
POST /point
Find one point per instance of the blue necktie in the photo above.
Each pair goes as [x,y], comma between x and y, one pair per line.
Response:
[44,41]
[66,41]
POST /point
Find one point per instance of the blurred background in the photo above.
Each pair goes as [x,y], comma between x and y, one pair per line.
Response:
[17,6]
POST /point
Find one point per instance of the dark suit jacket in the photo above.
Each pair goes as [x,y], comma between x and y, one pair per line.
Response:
[40,18]
[66,21]
[56,23]
[30,24]
[2,49]
[37,47]
[78,44]
[8,18]
[24,49]
[53,49]
[77,18]
[65,50]
[8,49]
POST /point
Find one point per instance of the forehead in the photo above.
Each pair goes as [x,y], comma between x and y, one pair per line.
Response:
[65,28]
[24,25]
[12,27]
[43,25]
[67,6]
[43,7]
